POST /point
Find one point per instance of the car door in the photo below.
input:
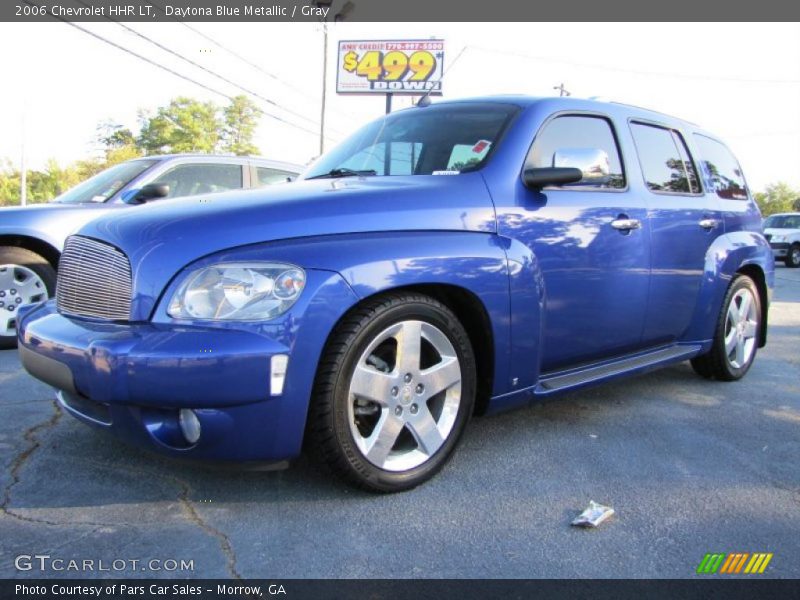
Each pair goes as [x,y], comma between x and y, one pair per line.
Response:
[590,240]
[683,221]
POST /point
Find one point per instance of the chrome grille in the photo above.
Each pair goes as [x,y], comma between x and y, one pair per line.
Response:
[94,280]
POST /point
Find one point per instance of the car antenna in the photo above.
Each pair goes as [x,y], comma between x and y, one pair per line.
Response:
[426,100]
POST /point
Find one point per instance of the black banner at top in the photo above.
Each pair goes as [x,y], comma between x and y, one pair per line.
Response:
[397,10]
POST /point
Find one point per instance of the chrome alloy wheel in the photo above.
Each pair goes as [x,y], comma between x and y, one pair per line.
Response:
[18,286]
[741,326]
[404,395]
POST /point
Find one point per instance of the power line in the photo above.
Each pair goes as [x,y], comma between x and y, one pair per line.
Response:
[177,74]
[205,69]
[244,59]
[600,67]
[167,69]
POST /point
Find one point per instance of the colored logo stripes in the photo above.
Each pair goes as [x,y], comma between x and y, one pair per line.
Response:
[734,562]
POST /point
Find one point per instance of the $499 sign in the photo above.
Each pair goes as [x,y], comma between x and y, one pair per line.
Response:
[390,66]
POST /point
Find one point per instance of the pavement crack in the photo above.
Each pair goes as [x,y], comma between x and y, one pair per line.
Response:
[31,437]
[194,516]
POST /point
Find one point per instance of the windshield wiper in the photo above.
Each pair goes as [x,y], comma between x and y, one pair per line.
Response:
[341,172]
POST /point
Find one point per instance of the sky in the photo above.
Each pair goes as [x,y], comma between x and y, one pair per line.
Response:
[740,81]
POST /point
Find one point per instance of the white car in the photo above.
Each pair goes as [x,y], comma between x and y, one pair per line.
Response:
[783,234]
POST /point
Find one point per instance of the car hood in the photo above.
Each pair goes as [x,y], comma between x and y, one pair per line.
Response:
[52,222]
[162,238]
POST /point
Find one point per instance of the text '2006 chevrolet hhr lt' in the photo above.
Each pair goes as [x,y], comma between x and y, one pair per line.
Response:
[451,259]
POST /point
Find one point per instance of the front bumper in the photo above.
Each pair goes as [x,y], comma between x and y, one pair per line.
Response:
[133,378]
[779,250]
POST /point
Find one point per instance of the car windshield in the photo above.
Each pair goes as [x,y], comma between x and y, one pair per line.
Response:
[782,222]
[434,140]
[106,183]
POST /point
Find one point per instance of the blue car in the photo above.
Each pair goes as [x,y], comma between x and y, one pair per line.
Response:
[32,237]
[446,260]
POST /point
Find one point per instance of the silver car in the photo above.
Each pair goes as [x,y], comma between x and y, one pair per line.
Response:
[32,237]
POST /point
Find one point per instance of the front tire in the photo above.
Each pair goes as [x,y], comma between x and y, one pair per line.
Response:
[25,278]
[393,393]
[792,259]
[736,336]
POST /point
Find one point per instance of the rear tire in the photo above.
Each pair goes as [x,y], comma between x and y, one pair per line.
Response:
[394,391]
[736,335]
[25,277]
[792,259]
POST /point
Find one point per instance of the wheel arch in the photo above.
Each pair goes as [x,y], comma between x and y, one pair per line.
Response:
[756,273]
[732,254]
[39,246]
[473,316]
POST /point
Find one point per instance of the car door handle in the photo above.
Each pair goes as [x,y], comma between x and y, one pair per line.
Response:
[625,224]
[708,223]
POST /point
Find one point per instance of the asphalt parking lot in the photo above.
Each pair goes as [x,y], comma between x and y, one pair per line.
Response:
[690,467]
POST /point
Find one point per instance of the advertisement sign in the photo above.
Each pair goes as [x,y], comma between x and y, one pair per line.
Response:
[390,66]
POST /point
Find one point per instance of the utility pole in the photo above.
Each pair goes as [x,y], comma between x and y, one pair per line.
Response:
[347,8]
[324,86]
[562,91]
[23,172]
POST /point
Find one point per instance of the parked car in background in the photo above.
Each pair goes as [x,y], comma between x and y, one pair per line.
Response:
[32,237]
[457,258]
[783,234]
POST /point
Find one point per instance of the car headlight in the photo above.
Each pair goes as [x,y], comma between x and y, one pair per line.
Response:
[238,292]
[778,238]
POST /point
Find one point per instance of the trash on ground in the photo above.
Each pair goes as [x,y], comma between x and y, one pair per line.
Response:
[593,516]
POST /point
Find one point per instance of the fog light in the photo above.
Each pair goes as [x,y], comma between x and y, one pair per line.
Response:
[190,425]
[277,373]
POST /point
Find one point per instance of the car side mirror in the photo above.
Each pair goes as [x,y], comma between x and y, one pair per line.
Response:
[593,163]
[537,178]
[151,191]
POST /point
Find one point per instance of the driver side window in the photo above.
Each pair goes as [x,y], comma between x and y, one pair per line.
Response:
[579,135]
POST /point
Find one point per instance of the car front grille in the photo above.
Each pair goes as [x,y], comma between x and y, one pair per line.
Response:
[94,280]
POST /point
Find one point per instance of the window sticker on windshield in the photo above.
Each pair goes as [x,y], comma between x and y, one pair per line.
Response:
[447,172]
[481,146]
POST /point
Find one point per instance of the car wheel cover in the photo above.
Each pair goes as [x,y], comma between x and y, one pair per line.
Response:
[18,286]
[404,395]
[741,327]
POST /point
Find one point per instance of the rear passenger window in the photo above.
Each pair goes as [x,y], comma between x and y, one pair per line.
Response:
[666,165]
[721,169]
[266,176]
[576,135]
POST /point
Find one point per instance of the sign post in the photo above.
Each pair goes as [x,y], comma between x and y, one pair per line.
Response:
[390,67]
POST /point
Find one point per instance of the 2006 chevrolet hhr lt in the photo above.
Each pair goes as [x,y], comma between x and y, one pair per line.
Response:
[445,260]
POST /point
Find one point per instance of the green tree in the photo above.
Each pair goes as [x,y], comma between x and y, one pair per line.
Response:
[112,135]
[184,125]
[777,197]
[241,119]
[9,184]
[117,142]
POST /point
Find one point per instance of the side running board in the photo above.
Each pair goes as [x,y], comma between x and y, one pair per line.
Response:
[550,383]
